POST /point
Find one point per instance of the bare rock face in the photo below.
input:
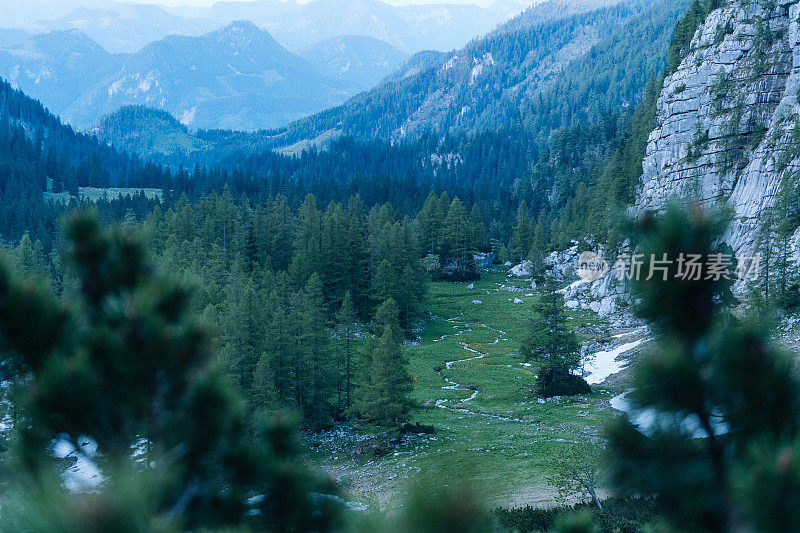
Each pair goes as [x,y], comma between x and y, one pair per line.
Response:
[728,120]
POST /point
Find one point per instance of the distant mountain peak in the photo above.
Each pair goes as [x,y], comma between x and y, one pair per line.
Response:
[66,39]
[242,33]
[241,26]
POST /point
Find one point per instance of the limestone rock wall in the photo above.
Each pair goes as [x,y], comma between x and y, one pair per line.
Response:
[725,119]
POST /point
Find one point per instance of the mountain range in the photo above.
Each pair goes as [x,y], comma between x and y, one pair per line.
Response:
[126,28]
[237,77]
[57,67]
[556,63]
[516,75]
[94,56]
[408,28]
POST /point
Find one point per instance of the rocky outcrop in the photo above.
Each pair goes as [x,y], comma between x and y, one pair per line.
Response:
[606,296]
[726,119]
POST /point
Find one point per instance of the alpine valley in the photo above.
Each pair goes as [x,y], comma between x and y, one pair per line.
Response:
[352,266]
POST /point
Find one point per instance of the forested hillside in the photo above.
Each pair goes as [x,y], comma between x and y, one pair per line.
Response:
[274,248]
[41,155]
[237,77]
[540,71]
[361,61]
[537,125]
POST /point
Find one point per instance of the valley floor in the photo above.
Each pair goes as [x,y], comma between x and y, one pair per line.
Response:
[473,387]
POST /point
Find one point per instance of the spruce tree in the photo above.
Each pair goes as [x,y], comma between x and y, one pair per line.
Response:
[122,361]
[551,342]
[385,395]
[346,322]
[455,235]
[521,237]
[381,391]
[316,376]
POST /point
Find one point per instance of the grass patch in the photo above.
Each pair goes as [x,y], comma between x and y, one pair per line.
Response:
[501,438]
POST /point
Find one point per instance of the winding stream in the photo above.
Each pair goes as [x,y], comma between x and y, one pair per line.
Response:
[604,363]
[444,403]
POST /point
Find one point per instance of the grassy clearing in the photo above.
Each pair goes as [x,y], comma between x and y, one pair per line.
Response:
[500,440]
[93,194]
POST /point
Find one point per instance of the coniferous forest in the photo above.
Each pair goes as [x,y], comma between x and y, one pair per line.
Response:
[546,281]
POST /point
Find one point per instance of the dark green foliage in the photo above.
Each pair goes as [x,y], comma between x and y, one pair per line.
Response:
[552,382]
[685,30]
[619,515]
[254,265]
[779,281]
[551,342]
[345,325]
[617,184]
[385,381]
[435,509]
[726,401]
[124,359]
[418,428]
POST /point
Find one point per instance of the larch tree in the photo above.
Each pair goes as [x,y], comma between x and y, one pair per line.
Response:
[122,362]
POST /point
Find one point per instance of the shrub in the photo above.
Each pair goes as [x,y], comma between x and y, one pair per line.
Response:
[619,515]
[417,428]
[549,383]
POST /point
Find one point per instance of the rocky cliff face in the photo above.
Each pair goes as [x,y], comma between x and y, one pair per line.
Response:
[728,120]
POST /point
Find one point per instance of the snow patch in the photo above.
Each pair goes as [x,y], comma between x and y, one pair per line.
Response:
[605,363]
[83,475]
[188,116]
[647,420]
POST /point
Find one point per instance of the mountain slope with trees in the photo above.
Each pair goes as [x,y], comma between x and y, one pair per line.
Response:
[361,61]
[57,67]
[542,70]
[237,78]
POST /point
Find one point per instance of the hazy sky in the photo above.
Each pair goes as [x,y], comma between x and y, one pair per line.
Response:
[395,2]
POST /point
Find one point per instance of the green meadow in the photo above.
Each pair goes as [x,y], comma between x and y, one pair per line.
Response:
[490,429]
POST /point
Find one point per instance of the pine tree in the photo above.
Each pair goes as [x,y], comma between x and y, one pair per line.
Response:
[455,239]
[387,315]
[242,331]
[29,261]
[521,238]
[281,232]
[721,452]
[282,339]
[479,237]
[307,242]
[334,252]
[315,373]
[430,224]
[358,258]
[551,342]
[384,283]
